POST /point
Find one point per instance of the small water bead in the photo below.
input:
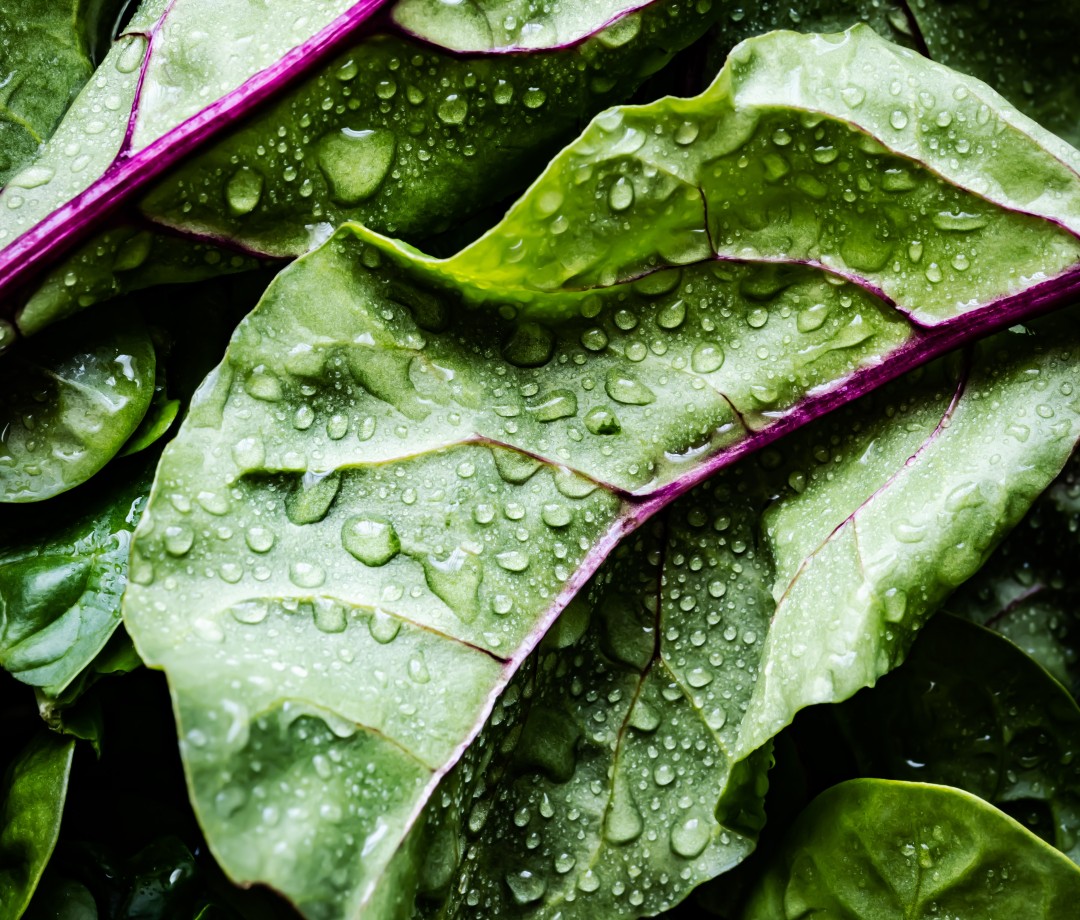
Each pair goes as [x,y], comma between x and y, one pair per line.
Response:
[453,109]
[355,163]
[690,837]
[418,670]
[133,50]
[672,315]
[337,427]
[898,119]
[555,515]
[594,339]
[330,617]
[502,93]
[602,421]
[386,89]
[513,560]
[525,887]
[534,97]
[531,345]
[757,317]
[383,627]
[370,540]
[960,262]
[306,574]
[564,862]
[621,194]
[707,358]
[626,389]
[178,540]
[664,775]
[259,539]
[933,273]
[686,133]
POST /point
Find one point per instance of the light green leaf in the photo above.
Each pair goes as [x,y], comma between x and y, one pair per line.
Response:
[879,850]
[32,803]
[69,402]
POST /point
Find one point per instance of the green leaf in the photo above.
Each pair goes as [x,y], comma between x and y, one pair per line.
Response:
[400,134]
[1024,52]
[33,801]
[405,468]
[69,402]
[63,569]
[48,50]
[873,849]
[1009,741]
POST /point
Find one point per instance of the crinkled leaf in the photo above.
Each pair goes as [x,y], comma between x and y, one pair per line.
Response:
[32,803]
[402,135]
[410,489]
[63,569]
[870,849]
[1010,740]
[68,403]
[48,50]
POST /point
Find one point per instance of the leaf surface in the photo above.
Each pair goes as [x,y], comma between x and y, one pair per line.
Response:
[69,402]
[406,468]
[936,720]
[33,801]
[870,849]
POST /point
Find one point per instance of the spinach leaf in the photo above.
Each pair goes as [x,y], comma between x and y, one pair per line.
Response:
[1008,741]
[35,786]
[69,402]
[870,849]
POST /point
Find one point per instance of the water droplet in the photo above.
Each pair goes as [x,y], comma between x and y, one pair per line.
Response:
[310,502]
[525,887]
[672,315]
[556,405]
[132,52]
[534,97]
[853,95]
[621,194]
[959,221]
[453,109]
[330,616]
[456,580]
[594,339]
[531,345]
[623,824]
[707,358]
[263,384]
[513,561]
[355,162]
[555,515]
[757,317]
[418,670]
[259,539]
[372,541]
[644,716]
[686,133]
[513,467]
[178,539]
[626,389]
[306,574]
[383,627]
[898,119]
[812,317]
[602,421]
[690,837]
[243,192]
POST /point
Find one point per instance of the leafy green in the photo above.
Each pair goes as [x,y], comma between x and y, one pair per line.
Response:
[69,402]
[870,849]
[33,800]
[1009,741]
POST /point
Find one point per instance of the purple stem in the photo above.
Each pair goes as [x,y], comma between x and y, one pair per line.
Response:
[131,172]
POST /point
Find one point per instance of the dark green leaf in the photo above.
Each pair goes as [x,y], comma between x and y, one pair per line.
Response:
[32,803]
[879,850]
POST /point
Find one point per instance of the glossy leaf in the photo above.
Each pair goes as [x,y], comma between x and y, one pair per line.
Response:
[873,849]
[396,132]
[32,803]
[63,569]
[1010,741]
[70,401]
[47,52]
[410,489]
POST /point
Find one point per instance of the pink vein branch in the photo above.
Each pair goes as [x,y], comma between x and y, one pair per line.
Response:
[132,171]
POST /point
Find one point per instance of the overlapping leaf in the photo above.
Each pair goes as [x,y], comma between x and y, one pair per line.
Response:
[397,131]
[31,804]
[405,469]
[1010,742]
[874,848]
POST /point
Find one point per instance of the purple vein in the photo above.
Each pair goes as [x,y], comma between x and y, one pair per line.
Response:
[131,172]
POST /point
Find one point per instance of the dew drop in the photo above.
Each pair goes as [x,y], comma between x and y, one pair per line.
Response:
[707,358]
[690,837]
[243,192]
[355,163]
[372,541]
[626,389]
[621,194]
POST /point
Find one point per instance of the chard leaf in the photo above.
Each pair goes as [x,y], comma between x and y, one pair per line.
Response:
[1010,742]
[403,148]
[406,468]
[33,801]
[869,849]
[48,50]
[171,80]
[69,402]
[63,569]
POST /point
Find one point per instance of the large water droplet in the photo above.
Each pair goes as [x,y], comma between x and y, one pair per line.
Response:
[453,109]
[244,191]
[526,887]
[311,500]
[621,194]
[626,389]
[707,358]
[531,345]
[456,581]
[371,540]
[623,824]
[355,162]
[690,837]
